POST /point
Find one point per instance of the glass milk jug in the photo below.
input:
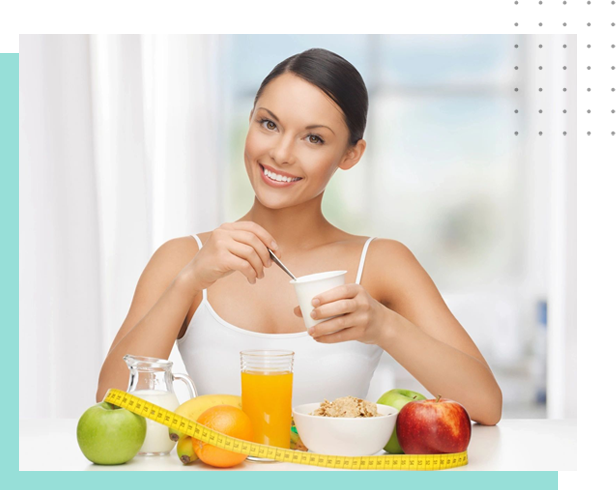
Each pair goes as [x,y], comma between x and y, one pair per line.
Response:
[152,380]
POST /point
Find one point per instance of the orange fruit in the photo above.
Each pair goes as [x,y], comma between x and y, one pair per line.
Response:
[230,421]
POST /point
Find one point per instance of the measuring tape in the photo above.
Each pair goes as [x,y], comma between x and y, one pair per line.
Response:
[189,427]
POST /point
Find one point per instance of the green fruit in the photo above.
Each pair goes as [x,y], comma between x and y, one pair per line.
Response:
[296,442]
[108,435]
[397,399]
[185,450]
[393,446]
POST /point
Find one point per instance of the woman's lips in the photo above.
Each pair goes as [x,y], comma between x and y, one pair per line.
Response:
[274,183]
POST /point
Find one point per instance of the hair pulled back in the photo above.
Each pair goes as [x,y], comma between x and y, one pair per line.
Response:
[336,77]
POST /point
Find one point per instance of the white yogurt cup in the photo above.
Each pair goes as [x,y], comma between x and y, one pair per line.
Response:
[307,287]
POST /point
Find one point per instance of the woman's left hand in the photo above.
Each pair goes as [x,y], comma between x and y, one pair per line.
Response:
[363,317]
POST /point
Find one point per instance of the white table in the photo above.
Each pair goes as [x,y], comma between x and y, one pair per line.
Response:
[516,444]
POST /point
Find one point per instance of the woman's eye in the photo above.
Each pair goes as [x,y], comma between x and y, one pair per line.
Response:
[316,139]
[313,138]
[267,121]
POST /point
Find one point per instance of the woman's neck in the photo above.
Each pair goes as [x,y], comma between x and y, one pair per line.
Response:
[295,228]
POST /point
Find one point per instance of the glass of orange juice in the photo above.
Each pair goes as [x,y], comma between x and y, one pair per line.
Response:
[267,387]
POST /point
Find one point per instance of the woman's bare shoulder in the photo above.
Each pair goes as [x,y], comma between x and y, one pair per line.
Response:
[394,268]
[403,278]
[181,249]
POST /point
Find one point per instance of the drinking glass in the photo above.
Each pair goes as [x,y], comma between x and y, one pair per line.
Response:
[267,388]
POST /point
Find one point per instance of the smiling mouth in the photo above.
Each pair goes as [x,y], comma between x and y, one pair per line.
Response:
[266,172]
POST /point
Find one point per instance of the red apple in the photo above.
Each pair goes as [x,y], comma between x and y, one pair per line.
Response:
[433,427]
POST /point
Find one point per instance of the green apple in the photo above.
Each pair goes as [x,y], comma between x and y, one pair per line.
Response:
[107,434]
[397,399]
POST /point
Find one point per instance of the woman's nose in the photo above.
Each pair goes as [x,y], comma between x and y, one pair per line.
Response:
[282,152]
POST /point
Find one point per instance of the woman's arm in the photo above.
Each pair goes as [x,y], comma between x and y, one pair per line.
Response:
[422,334]
[161,302]
[443,369]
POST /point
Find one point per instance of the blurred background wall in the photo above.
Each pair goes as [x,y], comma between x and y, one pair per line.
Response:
[129,141]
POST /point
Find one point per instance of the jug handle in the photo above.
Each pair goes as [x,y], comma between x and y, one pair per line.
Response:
[192,389]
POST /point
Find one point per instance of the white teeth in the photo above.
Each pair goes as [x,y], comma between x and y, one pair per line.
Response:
[279,178]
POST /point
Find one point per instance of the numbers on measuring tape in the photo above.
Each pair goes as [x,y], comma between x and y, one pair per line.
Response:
[194,429]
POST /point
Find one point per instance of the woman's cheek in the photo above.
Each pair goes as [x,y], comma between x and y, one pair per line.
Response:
[256,146]
[249,144]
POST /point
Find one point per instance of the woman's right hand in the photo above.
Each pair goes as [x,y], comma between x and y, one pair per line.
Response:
[239,246]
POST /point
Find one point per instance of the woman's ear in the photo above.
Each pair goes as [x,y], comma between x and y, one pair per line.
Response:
[353,155]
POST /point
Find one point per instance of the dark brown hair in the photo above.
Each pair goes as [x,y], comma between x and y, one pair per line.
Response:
[336,77]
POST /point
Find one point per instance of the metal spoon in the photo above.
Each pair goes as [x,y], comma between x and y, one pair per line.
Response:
[281,265]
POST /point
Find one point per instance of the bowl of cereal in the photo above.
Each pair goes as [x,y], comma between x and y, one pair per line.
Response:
[347,426]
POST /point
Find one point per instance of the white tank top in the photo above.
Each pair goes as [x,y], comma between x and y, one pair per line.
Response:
[211,347]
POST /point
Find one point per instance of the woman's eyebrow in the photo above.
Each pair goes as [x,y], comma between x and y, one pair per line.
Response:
[312,126]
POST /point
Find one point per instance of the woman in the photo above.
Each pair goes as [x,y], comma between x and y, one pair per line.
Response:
[307,122]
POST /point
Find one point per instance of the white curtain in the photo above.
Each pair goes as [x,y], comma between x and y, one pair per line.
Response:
[121,147]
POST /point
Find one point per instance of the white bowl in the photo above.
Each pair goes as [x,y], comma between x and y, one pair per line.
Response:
[341,436]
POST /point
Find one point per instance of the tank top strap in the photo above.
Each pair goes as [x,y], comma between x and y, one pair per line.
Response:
[363,259]
[198,241]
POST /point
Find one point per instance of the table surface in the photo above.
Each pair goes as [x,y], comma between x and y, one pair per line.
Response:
[513,444]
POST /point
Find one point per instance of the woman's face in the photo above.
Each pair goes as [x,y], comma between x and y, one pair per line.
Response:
[296,131]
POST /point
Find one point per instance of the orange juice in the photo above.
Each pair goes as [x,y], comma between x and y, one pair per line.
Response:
[266,399]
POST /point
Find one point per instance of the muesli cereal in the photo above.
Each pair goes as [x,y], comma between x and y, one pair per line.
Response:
[347,406]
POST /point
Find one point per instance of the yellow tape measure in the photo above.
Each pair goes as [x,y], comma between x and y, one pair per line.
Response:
[190,427]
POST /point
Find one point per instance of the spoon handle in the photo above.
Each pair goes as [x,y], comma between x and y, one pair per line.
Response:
[281,265]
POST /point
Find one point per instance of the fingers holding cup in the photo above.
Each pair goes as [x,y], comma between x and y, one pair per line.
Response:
[336,308]
[331,326]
